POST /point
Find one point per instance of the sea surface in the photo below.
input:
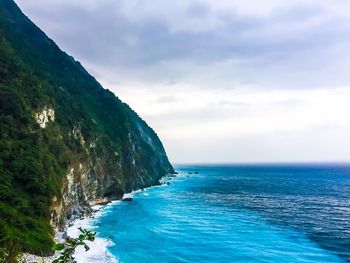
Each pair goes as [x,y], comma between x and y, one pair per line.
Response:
[237,213]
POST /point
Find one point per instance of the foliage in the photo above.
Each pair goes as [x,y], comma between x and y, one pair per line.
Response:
[8,255]
[35,73]
[3,254]
[29,171]
[67,249]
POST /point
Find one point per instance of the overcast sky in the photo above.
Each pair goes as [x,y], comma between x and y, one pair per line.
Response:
[219,80]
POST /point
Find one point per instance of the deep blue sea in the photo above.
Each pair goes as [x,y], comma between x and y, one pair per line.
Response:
[239,213]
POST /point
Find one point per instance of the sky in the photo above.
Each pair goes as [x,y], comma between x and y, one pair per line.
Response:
[220,81]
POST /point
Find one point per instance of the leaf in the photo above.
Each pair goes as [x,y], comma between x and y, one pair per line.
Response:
[58,247]
[86,247]
[67,249]
[91,238]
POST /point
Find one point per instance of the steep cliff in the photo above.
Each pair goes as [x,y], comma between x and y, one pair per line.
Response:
[65,141]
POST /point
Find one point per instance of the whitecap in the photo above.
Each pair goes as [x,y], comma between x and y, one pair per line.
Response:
[98,251]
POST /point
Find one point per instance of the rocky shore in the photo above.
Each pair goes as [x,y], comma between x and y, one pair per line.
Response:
[83,220]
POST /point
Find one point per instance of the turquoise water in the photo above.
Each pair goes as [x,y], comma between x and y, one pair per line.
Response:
[236,214]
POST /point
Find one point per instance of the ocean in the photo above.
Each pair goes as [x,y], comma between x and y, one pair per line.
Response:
[230,213]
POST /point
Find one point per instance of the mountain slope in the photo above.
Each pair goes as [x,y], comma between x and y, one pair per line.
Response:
[65,141]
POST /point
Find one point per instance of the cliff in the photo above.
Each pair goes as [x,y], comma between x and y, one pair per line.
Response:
[65,141]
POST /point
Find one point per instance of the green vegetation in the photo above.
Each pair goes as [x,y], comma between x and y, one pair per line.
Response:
[34,74]
[8,255]
[29,167]
[67,249]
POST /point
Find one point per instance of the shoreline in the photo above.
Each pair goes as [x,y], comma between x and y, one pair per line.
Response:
[98,251]
[99,248]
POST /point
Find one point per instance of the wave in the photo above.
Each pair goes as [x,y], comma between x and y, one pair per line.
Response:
[98,251]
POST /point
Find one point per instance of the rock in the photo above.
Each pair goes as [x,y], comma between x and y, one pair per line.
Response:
[189,173]
[105,202]
[195,172]
[168,183]
[127,199]
[68,215]
[101,201]
[122,153]
[44,116]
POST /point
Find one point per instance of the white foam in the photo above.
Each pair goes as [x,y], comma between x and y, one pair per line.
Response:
[128,195]
[98,251]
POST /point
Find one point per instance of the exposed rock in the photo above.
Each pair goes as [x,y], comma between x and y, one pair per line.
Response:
[44,116]
[79,144]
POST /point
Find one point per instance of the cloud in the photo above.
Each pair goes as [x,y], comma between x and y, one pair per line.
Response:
[235,40]
[166,99]
[242,74]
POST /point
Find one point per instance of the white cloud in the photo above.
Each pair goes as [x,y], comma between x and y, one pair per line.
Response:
[248,124]
[220,81]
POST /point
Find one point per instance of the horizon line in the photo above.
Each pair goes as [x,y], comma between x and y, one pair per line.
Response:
[266,163]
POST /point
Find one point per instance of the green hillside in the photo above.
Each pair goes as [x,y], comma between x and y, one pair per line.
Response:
[88,125]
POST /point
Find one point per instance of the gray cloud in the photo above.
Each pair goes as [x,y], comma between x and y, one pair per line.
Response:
[292,43]
[182,65]
[166,99]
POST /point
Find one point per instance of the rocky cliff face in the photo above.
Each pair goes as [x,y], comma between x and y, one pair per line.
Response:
[65,141]
[101,175]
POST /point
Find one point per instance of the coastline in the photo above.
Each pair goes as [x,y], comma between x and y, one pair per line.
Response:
[98,251]
[98,248]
